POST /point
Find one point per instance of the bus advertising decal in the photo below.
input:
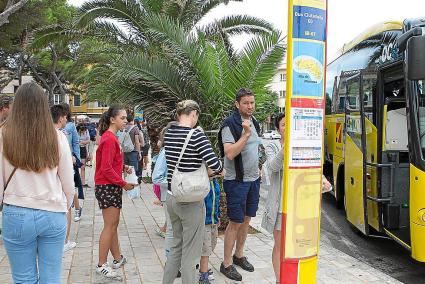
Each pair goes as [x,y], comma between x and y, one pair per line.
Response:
[338,132]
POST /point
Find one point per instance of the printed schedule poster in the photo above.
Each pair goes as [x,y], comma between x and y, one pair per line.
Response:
[308,69]
[306,139]
[307,124]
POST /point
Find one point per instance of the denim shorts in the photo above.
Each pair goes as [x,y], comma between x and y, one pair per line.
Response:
[242,199]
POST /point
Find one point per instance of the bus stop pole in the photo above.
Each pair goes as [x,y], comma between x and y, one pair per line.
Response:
[303,149]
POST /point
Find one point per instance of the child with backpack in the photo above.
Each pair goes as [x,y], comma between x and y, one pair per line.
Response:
[212,213]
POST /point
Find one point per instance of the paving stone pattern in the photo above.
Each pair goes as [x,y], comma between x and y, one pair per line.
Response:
[144,250]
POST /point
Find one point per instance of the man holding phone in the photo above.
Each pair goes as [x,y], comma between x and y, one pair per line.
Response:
[239,139]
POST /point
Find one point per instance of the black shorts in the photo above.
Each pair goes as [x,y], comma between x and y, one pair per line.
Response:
[108,195]
[83,152]
[145,150]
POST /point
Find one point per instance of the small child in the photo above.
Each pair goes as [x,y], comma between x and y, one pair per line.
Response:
[212,206]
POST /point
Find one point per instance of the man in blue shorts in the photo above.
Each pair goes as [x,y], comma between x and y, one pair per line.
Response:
[239,141]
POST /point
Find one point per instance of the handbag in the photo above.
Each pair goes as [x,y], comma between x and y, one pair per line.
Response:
[190,186]
[5,186]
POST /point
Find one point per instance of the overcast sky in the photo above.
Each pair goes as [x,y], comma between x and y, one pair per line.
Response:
[346,18]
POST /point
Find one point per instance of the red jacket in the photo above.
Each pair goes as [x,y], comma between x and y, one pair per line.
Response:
[109,161]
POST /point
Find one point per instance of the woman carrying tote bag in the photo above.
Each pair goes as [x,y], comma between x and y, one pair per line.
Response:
[188,149]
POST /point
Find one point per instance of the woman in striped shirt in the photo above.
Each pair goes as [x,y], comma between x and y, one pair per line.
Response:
[187,218]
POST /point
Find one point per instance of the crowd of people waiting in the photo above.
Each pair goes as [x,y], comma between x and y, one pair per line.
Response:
[39,182]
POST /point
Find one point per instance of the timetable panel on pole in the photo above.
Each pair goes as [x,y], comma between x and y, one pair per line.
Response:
[305,110]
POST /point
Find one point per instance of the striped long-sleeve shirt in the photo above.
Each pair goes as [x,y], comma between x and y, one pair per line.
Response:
[198,149]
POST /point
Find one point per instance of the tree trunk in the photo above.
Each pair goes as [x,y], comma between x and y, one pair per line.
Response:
[11,8]
[5,77]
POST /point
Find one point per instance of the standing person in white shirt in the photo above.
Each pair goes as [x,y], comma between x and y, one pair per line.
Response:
[59,115]
[38,188]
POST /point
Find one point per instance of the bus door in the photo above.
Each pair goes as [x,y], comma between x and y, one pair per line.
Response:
[355,167]
[395,160]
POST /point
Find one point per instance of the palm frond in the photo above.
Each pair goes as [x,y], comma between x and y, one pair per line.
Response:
[156,74]
[52,34]
[129,13]
[259,61]
[208,5]
[238,24]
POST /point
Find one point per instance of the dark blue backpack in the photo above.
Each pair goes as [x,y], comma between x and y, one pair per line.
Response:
[92,131]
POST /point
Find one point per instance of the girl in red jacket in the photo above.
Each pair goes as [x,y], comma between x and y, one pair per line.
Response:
[109,185]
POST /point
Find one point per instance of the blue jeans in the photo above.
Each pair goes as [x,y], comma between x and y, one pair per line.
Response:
[31,233]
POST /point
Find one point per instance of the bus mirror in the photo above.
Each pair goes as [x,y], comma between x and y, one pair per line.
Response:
[416,58]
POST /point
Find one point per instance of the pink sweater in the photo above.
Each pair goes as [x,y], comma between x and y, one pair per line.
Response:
[50,190]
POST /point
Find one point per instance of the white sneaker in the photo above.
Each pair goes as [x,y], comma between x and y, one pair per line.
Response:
[106,271]
[77,214]
[69,246]
[210,275]
[117,264]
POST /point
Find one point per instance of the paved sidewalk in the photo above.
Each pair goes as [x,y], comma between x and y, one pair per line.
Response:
[145,252]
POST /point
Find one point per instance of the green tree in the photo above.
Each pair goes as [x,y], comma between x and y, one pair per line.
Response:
[9,8]
[16,54]
[165,56]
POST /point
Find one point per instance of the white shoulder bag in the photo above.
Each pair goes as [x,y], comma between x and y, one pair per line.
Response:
[190,186]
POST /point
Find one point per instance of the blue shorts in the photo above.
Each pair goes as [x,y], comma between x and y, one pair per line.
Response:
[242,199]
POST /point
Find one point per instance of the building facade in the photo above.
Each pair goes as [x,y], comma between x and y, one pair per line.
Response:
[278,85]
[11,88]
[79,106]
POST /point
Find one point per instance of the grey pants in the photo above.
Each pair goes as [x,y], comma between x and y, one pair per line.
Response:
[188,222]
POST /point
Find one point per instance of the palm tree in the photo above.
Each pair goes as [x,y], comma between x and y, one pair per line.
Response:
[154,53]
[167,56]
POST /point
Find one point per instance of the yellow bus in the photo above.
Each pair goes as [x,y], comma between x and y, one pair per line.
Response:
[375,132]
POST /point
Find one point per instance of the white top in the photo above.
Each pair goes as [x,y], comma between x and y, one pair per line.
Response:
[50,190]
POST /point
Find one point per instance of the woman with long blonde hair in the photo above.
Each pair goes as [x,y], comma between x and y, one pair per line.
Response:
[38,188]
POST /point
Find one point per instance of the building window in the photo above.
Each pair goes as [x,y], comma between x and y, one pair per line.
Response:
[282,77]
[58,99]
[281,94]
[77,100]
[100,104]
[15,88]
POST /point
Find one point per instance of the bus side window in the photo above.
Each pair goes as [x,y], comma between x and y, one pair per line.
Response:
[339,105]
[352,95]
[369,95]
[334,95]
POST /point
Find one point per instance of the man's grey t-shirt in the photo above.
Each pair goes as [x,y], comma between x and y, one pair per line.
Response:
[249,156]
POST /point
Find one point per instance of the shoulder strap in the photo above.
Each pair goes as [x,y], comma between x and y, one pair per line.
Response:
[184,146]
[10,177]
